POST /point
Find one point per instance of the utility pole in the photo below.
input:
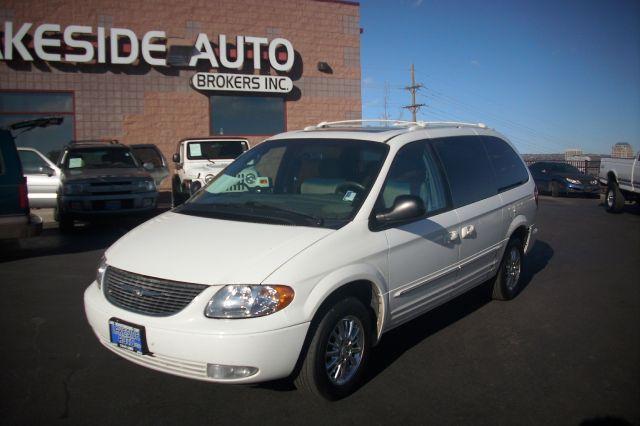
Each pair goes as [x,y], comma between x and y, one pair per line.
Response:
[414,107]
[386,101]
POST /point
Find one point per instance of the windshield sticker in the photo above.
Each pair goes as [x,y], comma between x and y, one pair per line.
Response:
[75,163]
[195,150]
[349,196]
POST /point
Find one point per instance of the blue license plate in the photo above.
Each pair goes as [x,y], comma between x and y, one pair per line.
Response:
[112,205]
[128,336]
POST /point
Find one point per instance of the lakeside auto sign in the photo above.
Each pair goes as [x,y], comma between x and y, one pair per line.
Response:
[80,44]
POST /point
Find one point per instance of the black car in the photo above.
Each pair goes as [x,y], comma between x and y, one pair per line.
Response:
[560,178]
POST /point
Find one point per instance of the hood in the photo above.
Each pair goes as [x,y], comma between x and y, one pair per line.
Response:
[73,175]
[209,251]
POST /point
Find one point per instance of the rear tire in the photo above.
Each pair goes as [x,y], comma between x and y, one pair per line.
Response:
[613,199]
[337,355]
[507,283]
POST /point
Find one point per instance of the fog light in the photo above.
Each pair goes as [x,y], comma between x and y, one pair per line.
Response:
[147,202]
[229,372]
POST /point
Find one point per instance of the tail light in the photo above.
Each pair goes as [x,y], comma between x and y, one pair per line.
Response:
[23,194]
[535,194]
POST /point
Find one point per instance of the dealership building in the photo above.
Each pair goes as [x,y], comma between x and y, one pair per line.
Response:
[160,71]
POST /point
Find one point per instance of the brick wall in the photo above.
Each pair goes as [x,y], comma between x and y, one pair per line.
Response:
[153,107]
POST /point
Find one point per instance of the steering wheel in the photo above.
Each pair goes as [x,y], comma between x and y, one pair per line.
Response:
[349,185]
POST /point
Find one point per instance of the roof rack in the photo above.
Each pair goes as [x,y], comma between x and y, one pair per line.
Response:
[411,125]
[94,142]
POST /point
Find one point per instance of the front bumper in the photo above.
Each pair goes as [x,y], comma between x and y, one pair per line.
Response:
[98,205]
[573,188]
[185,351]
[20,226]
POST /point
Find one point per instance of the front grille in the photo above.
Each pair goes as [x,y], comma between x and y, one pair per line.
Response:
[148,295]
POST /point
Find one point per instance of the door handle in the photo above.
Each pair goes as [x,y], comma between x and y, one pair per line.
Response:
[467,231]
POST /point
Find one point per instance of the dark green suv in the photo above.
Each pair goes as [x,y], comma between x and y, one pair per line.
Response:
[15,219]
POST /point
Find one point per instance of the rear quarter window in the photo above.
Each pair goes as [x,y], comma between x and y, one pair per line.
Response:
[467,167]
[509,168]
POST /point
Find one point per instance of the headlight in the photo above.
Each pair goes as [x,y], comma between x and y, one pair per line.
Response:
[594,182]
[248,301]
[146,185]
[102,268]
[72,188]
[573,181]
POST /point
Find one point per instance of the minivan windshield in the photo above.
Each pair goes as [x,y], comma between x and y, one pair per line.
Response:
[305,182]
[99,158]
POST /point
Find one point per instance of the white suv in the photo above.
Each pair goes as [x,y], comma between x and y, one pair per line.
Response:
[345,233]
[199,160]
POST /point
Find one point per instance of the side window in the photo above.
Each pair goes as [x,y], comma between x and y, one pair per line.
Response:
[415,172]
[510,172]
[467,167]
[31,162]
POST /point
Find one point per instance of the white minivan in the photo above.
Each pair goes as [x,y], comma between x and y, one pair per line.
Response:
[343,232]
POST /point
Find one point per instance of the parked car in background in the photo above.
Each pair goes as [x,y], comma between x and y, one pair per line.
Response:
[309,247]
[16,220]
[102,178]
[150,154]
[43,178]
[199,160]
[559,178]
[622,178]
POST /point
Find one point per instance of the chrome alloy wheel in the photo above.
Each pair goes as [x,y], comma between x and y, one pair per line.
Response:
[513,267]
[343,355]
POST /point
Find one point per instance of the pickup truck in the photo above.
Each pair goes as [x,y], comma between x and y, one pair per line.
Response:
[622,178]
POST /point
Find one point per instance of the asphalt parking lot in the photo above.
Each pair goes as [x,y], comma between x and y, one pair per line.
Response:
[565,351]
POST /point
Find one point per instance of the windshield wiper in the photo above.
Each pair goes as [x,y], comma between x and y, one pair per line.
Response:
[313,220]
[229,211]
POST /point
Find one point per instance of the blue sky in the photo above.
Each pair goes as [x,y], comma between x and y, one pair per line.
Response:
[550,75]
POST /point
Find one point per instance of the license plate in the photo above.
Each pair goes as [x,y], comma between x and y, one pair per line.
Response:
[112,205]
[128,336]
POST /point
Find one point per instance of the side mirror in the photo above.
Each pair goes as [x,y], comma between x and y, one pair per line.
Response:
[46,170]
[148,166]
[544,171]
[405,207]
[176,158]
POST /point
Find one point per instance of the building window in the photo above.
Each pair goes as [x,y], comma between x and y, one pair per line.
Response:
[22,106]
[247,115]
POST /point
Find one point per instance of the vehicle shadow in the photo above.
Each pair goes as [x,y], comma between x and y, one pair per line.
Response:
[400,340]
[85,237]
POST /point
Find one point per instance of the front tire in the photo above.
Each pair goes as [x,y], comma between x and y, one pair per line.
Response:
[65,222]
[335,361]
[614,200]
[508,281]
[177,198]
